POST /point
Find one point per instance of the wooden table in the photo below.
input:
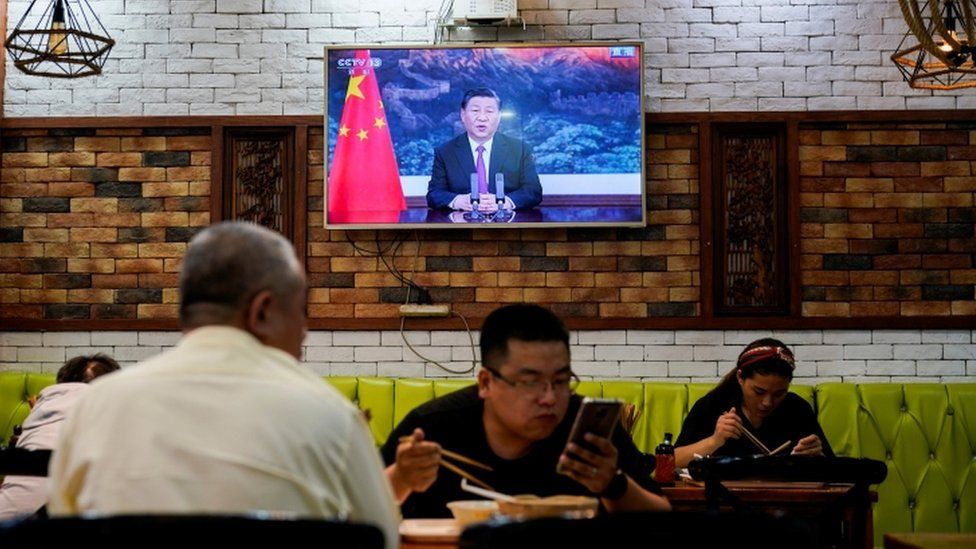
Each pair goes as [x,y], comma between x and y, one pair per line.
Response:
[428,545]
[929,541]
[429,534]
[803,499]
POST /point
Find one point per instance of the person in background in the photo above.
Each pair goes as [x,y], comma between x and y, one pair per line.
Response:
[228,421]
[25,495]
[516,419]
[485,153]
[755,396]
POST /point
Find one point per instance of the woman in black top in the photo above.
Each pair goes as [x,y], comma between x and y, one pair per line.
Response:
[754,396]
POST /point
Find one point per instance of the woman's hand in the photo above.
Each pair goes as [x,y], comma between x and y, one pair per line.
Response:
[727,426]
[808,446]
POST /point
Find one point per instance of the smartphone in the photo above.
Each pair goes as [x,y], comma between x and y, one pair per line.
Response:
[596,415]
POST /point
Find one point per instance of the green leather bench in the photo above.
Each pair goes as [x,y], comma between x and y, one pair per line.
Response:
[926,433]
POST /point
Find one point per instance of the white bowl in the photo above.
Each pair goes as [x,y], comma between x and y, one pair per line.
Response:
[470,511]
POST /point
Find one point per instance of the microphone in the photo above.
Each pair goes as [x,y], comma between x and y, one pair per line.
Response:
[474,195]
[500,189]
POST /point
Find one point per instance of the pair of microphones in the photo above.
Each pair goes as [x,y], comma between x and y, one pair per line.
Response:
[499,191]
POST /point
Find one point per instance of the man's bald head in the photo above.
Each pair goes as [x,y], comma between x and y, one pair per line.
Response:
[227,264]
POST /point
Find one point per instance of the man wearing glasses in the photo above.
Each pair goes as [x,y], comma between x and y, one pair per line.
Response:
[515,420]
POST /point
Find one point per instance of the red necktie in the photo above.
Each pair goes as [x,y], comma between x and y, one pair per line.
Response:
[480,168]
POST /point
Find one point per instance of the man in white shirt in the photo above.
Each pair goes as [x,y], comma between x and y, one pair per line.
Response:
[25,495]
[227,421]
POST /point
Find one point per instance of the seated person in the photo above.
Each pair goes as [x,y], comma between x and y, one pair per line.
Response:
[754,396]
[516,420]
[227,421]
[485,153]
[24,495]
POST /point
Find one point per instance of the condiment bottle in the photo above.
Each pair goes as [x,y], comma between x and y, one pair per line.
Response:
[664,461]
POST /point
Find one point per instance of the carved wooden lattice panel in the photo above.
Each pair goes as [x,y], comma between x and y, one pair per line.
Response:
[259,184]
[752,258]
[258,178]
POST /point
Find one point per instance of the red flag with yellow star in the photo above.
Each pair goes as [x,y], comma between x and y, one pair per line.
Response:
[364,182]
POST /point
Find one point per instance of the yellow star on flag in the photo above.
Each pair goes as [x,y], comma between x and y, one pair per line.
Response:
[379,123]
[362,135]
[343,132]
[353,89]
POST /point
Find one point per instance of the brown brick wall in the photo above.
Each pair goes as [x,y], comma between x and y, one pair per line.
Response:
[650,272]
[887,217]
[93,222]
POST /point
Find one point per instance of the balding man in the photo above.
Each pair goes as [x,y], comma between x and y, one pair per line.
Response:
[227,421]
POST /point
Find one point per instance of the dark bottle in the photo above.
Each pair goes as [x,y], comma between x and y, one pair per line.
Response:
[12,443]
[664,461]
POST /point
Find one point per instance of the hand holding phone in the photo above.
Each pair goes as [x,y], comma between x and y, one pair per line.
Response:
[598,416]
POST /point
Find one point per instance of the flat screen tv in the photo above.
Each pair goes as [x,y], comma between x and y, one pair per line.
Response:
[489,135]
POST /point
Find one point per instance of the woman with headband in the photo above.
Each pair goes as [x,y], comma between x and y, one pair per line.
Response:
[751,411]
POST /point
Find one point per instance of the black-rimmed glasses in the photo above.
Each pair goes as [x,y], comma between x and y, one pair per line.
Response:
[562,385]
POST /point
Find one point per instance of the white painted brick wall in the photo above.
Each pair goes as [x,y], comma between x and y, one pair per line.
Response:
[855,356]
[838,51]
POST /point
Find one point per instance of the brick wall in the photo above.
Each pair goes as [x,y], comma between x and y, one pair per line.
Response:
[93,222]
[854,356]
[223,57]
[887,219]
[650,272]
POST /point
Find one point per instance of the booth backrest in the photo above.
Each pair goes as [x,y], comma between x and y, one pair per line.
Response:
[15,390]
[925,433]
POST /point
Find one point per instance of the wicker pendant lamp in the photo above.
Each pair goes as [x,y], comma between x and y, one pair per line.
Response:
[937,53]
[61,39]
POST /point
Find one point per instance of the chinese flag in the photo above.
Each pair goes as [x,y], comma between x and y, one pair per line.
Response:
[364,182]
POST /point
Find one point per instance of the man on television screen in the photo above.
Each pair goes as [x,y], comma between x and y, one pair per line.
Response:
[480,163]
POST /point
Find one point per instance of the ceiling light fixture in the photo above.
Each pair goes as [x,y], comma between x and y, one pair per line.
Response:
[938,51]
[65,40]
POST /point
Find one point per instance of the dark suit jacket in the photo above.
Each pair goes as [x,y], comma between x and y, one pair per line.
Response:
[454,164]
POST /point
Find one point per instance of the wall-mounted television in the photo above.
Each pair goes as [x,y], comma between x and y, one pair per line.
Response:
[487,135]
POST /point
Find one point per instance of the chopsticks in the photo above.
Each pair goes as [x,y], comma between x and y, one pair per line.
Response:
[629,415]
[781,447]
[464,474]
[458,457]
[454,468]
[755,440]
[752,438]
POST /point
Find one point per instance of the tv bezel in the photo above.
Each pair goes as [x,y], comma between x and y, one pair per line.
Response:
[510,225]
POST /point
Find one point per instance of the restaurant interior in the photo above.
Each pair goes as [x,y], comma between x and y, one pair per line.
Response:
[801,170]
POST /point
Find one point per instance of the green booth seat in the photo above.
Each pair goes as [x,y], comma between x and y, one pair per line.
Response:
[925,433]
[16,388]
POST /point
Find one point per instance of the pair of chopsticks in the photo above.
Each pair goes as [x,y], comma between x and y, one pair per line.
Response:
[445,453]
[629,415]
[755,440]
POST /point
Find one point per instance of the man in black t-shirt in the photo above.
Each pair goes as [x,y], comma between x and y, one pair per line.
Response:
[516,420]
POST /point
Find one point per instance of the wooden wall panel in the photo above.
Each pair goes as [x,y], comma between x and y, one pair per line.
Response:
[95,214]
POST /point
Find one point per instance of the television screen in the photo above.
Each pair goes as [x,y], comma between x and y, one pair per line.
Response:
[486,135]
